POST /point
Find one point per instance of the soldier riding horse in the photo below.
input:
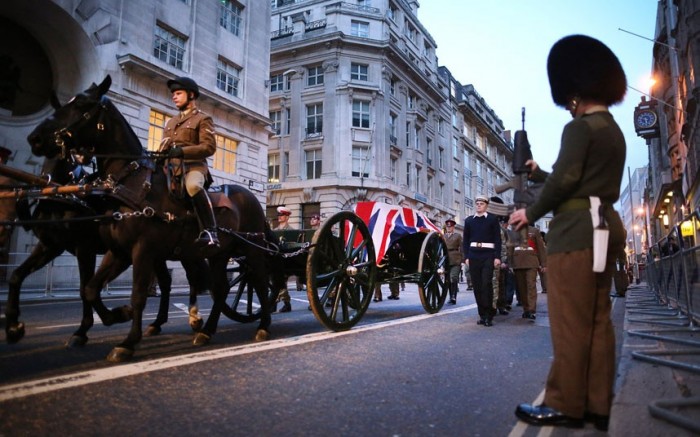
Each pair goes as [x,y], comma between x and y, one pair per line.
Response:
[151,225]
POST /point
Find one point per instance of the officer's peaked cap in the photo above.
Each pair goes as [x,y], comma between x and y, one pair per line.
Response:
[581,66]
[184,83]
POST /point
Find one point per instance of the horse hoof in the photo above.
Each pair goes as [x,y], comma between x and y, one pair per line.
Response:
[15,333]
[76,341]
[201,339]
[120,355]
[151,330]
[262,335]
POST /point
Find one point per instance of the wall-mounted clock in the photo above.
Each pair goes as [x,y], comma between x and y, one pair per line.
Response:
[645,119]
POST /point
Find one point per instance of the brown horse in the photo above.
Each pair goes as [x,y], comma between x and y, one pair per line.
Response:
[152,225]
[66,223]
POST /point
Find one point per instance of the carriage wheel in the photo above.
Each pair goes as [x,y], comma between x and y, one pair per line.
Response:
[242,304]
[432,266]
[340,271]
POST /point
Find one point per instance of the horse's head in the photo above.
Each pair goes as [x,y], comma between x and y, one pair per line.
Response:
[73,127]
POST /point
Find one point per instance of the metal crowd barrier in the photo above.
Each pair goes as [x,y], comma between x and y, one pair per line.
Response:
[60,278]
[673,277]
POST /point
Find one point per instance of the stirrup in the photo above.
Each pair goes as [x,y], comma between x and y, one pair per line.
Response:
[207,238]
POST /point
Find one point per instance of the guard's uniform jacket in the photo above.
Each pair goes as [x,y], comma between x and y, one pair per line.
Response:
[194,132]
[524,256]
[454,248]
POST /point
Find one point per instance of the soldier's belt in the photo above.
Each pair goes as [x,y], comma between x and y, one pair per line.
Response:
[485,245]
[573,205]
[524,248]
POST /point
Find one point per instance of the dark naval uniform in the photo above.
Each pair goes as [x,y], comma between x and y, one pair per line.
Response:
[481,245]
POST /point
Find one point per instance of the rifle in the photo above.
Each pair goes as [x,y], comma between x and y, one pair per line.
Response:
[524,194]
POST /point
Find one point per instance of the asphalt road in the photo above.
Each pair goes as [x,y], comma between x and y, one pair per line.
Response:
[399,372]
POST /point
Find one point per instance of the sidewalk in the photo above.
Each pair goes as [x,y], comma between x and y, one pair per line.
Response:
[656,374]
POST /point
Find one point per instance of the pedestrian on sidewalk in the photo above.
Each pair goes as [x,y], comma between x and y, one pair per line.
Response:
[586,78]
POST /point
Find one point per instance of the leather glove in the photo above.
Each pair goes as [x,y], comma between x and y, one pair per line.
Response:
[176,152]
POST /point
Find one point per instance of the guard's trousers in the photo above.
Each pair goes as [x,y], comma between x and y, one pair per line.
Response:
[582,374]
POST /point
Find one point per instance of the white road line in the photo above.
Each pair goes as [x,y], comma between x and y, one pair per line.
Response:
[28,388]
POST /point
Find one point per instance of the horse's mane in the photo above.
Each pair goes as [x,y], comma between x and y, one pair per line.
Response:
[130,138]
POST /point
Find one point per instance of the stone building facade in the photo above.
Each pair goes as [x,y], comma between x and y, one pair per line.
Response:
[65,45]
[361,111]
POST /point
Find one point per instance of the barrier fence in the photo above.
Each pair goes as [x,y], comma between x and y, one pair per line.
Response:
[670,314]
[60,277]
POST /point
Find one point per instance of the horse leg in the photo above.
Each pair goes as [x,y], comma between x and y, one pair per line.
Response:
[261,282]
[143,272]
[111,267]
[87,257]
[219,292]
[196,270]
[165,282]
[40,256]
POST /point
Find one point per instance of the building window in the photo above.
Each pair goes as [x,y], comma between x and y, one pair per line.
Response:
[276,119]
[394,170]
[359,28]
[276,82]
[313,164]
[273,168]
[288,120]
[360,161]
[455,179]
[416,138]
[314,118]
[156,126]
[408,175]
[419,175]
[359,72]
[429,150]
[226,155]
[455,147]
[227,77]
[360,113]
[392,128]
[441,157]
[392,12]
[392,87]
[230,16]
[314,76]
[408,134]
[411,101]
[429,190]
[169,48]
[441,193]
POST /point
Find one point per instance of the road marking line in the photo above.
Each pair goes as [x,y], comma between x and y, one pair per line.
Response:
[28,388]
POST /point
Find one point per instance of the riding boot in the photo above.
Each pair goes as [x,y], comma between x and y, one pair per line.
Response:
[205,214]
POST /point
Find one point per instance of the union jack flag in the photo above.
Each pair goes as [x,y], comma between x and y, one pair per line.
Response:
[387,223]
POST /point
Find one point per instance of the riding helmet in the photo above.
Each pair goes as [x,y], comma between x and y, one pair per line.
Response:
[583,67]
[184,83]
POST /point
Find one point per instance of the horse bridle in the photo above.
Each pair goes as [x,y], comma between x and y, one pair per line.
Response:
[65,133]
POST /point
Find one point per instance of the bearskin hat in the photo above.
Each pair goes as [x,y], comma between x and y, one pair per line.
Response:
[581,66]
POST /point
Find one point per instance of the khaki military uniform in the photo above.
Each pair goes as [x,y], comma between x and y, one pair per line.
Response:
[455,258]
[527,255]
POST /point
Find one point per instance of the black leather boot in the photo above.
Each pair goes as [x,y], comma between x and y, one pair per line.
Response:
[205,213]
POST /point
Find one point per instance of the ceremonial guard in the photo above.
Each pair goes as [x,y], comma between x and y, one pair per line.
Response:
[189,140]
[455,257]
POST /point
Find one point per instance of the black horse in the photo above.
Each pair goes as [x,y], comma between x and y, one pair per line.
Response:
[68,223]
[153,225]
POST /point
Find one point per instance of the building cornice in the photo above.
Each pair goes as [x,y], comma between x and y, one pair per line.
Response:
[131,61]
